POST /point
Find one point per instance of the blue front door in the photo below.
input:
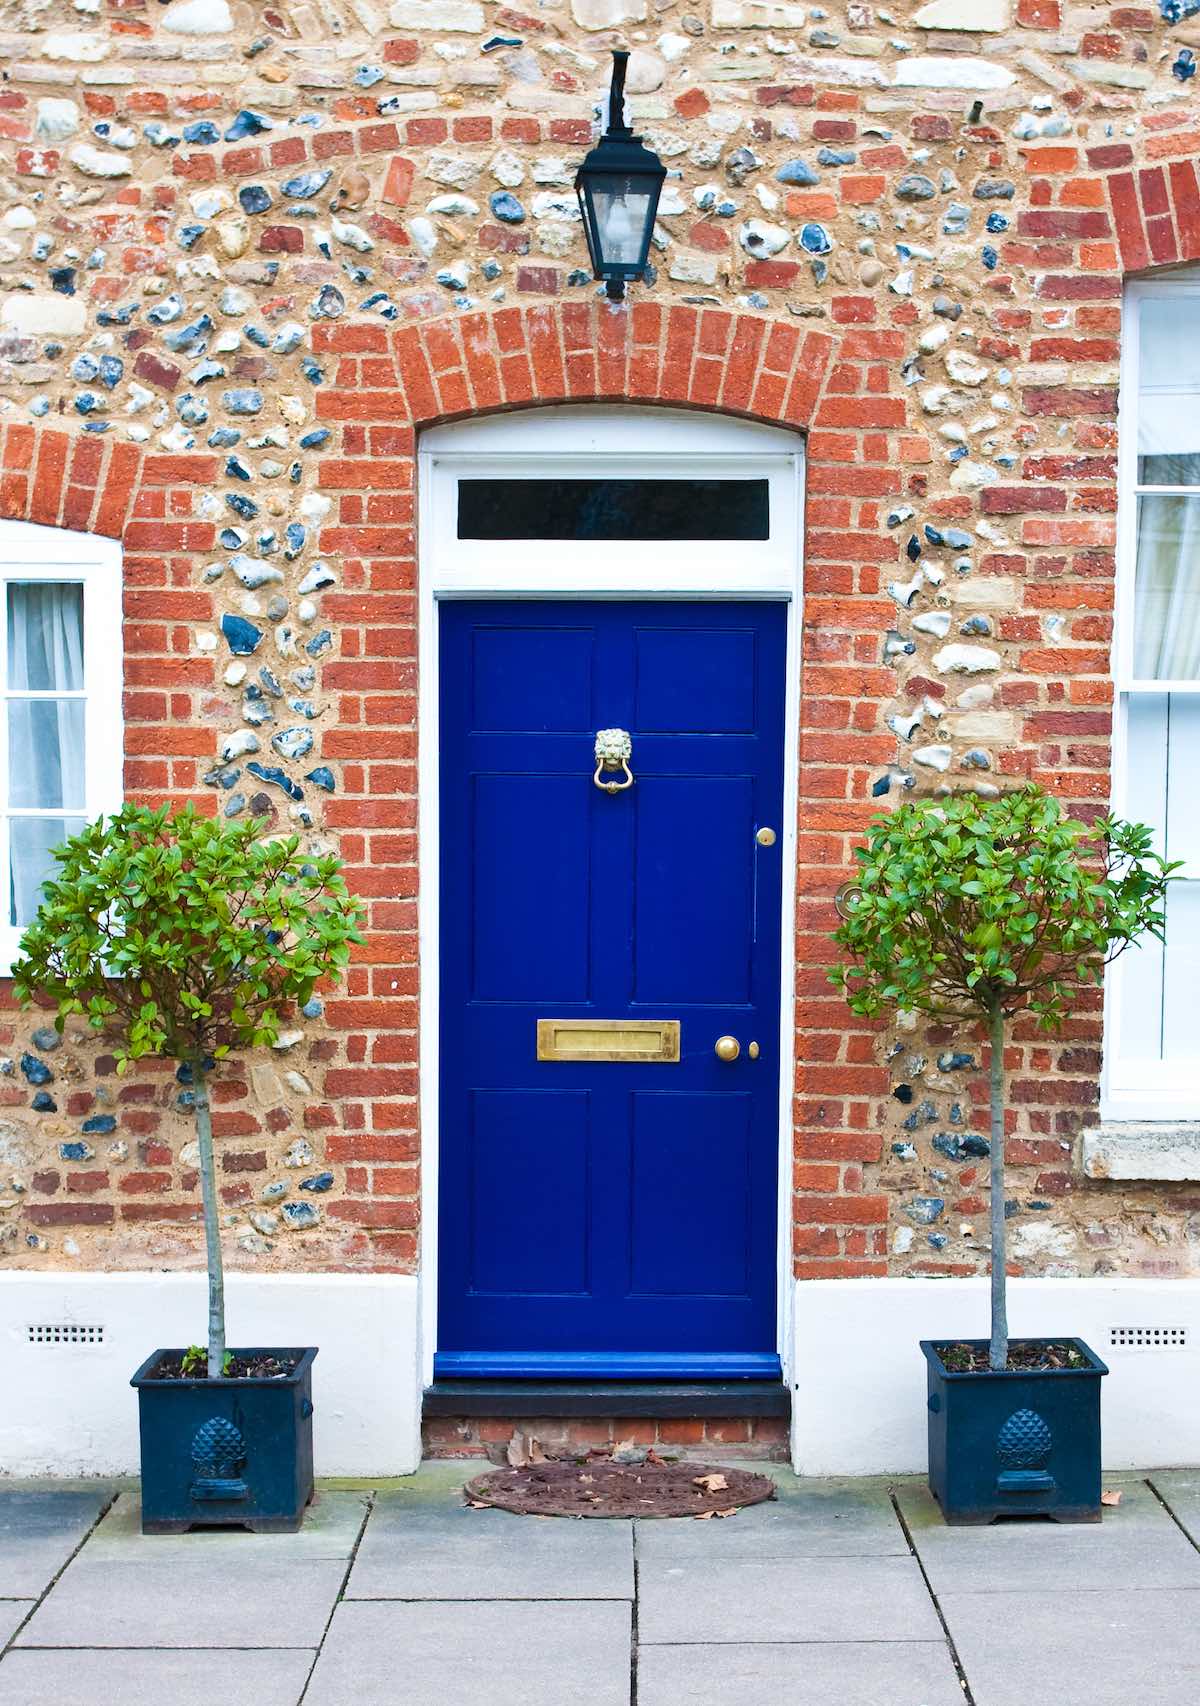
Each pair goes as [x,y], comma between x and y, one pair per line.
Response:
[604,1216]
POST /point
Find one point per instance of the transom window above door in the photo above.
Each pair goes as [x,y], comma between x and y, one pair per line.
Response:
[629,499]
[60,705]
[1152,1045]
[632,510]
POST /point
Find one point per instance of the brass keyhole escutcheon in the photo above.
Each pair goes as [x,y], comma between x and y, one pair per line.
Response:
[765,837]
[727,1048]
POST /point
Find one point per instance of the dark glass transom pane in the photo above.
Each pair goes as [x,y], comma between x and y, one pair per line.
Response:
[614,509]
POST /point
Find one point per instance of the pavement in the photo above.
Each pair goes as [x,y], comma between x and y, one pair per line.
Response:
[837,1593]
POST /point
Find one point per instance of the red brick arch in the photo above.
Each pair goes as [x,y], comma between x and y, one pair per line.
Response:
[1155,208]
[62,479]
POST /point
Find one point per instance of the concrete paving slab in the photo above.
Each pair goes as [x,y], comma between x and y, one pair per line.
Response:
[13,1613]
[448,1551]
[851,1673]
[1136,1546]
[150,1678]
[332,1525]
[808,1519]
[1078,1649]
[520,1654]
[1180,1491]
[782,1599]
[38,1533]
[263,1600]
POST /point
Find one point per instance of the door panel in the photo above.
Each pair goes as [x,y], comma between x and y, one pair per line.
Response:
[695,681]
[531,678]
[543,1139]
[530,906]
[693,890]
[690,1194]
[609,1216]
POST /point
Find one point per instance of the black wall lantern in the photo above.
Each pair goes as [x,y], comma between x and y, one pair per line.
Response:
[618,187]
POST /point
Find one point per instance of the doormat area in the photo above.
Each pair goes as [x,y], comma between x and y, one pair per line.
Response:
[603,1488]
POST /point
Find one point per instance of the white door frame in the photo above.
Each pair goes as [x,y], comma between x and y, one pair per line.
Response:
[571,440]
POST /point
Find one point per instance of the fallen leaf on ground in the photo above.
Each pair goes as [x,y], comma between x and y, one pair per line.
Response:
[1111,1496]
[703,1516]
[732,1511]
[477,1505]
[711,1483]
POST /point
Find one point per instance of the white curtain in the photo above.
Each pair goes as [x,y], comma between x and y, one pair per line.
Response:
[1166,625]
[45,736]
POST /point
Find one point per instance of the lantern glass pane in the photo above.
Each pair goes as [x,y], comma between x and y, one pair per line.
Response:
[622,206]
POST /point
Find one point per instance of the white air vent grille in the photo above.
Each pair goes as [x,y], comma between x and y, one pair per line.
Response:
[64,1333]
[1148,1338]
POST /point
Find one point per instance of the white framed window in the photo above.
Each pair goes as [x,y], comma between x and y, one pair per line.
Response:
[61,745]
[1152,1033]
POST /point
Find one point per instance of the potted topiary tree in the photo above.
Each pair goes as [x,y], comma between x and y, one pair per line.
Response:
[974,910]
[175,935]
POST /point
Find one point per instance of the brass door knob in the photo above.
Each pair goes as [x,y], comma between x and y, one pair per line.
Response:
[727,1048]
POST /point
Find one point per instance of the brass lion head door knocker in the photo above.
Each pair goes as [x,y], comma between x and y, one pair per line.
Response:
[614,749]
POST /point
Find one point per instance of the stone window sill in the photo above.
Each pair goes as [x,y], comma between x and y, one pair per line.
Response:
[1143,1149]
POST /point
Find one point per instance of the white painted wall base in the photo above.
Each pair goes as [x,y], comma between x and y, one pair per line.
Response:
[858,1399]
[68,1409]
[858,1402]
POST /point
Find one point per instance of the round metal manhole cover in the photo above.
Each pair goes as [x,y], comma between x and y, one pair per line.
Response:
[601,1488]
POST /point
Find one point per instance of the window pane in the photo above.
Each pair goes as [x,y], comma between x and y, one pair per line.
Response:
[1158,984]
[1170,470]
[31,841]
[45,752]
[1141,1012]
[613,509]
[1168,387]
[1181,972]
[45,635]
[1166,626]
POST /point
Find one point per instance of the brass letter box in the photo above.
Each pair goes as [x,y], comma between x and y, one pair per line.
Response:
[608,1039]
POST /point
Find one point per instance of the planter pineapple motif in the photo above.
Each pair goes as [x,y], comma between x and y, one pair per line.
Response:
[218,1453]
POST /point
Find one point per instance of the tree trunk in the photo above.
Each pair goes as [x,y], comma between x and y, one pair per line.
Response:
[212,1228]
[998,1352]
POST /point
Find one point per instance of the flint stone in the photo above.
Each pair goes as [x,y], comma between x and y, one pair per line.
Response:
[914,186]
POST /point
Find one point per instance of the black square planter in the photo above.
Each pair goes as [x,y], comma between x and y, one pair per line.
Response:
[1015,1443]
[220,1452]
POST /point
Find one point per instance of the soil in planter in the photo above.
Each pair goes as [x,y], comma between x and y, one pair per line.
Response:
[262,1367]
[601,1488]
[958,1358]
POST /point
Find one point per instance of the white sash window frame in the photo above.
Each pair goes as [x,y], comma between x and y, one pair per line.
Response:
[1152,994]
[30,553]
